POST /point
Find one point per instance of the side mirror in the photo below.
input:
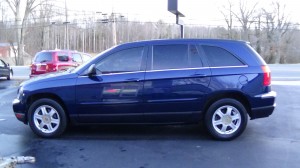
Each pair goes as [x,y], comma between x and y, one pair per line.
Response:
[7,64]
[92,70]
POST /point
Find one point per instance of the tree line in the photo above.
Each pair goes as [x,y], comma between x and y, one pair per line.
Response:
[42,25]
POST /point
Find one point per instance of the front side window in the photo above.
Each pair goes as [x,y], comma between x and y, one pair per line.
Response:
[128,60]
[219,57]
[63,57]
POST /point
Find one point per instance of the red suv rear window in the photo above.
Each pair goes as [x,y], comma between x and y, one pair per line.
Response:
[43,57]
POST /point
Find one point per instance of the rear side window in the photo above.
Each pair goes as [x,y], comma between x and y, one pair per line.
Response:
[218,57]
[43,57]
[194,57]
[175,56]
[170,57]
[63,57]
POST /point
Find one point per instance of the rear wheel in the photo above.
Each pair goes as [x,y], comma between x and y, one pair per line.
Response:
[47,118]
[226,119]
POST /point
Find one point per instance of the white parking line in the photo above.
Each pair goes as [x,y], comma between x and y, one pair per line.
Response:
[287,83]
[285,77]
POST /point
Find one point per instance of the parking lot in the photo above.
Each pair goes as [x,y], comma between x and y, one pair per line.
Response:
[268,142]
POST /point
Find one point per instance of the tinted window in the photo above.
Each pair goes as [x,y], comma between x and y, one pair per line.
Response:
[43,57]
[63,57]
[220,57]
[194,57]
[123,61]
[170,57]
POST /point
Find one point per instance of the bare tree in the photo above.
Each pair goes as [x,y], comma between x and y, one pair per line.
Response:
[246,16]
[277,25]
[20,21]
[227,12]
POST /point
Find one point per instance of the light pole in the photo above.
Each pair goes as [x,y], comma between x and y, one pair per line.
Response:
[66,41]
[173,8]
[54,35]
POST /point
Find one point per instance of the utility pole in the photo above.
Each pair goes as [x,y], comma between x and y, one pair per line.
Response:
[114,31]
[66,41]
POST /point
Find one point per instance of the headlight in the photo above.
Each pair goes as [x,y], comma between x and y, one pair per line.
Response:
[20,93]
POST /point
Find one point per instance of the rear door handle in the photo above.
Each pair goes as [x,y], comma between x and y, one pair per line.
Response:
[198,75]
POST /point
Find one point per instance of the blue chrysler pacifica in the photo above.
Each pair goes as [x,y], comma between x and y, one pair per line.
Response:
[186,81]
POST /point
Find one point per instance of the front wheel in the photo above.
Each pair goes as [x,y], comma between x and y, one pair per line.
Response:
[10,75]
[47,118]
[226,119]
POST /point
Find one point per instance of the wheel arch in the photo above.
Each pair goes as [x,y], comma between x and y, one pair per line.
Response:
[51,96]
[236,95]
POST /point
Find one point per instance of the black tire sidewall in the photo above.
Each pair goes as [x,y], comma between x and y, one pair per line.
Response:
[8,77]
[63,119]
[210,112]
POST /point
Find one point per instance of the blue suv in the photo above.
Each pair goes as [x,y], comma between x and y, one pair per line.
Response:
[186,81]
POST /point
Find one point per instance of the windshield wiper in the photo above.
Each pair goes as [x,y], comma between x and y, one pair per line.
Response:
[43,61]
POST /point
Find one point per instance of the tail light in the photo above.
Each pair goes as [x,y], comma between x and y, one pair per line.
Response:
[267,75]
[33,67]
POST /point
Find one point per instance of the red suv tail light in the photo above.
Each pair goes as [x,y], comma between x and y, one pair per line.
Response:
[267,75]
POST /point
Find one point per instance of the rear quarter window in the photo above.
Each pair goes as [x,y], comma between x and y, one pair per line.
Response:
[219,57]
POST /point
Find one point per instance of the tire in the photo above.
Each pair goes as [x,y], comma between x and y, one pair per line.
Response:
[9,76]
[47,118]
[226,119]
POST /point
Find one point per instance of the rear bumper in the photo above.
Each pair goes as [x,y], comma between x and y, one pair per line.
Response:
[19,110]
[266,105]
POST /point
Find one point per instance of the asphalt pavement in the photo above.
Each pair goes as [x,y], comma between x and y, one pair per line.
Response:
[267,142]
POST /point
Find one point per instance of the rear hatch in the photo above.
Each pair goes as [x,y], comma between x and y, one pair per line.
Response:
[40,63]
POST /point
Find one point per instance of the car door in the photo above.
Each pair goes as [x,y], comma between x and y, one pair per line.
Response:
[113,95]
[4,70]
[176,81]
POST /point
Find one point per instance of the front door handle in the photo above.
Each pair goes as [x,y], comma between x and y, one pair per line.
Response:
[133,79]
[198,75]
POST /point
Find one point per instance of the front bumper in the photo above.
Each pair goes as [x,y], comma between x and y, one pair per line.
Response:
[265,105]
[19,110]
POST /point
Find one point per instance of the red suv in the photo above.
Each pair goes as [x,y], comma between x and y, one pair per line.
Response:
[54,61]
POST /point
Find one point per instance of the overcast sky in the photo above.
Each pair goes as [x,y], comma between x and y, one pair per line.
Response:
[206,12]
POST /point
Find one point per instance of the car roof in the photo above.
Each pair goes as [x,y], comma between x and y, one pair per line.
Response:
[59,50]
[219,42]
[161,41]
